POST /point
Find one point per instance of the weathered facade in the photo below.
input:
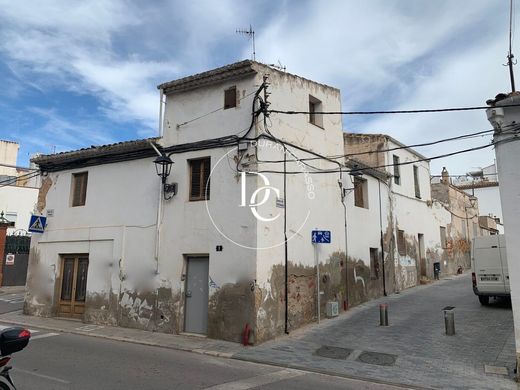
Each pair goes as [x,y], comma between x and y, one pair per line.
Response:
[413,233]
[123,255]
[463,225]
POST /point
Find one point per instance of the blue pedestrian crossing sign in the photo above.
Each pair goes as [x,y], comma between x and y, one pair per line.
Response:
[321,236]
[37,223]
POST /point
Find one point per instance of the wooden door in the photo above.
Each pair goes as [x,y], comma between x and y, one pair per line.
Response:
[73,289]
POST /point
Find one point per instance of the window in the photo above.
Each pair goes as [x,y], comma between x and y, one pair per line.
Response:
[230,98]
[397,173]
[11,216]
[79,188]
[416,181]
[475,229]
[360,193]
[314,107]
[443,237]
[401,243]
[374,263]
[199,178]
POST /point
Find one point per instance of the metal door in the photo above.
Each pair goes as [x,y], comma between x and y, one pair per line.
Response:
[73,289]
[196,312]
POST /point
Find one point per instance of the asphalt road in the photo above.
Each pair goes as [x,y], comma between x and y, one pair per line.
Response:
[64,361]
[11,302]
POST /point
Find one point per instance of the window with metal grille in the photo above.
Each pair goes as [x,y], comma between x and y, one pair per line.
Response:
[416,181]
[230,98]
[79,189]
[360,193]
[199,178]
[397,171]
[374,263]
[401,243]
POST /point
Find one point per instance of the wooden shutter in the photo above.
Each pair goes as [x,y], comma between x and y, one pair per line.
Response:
[79,188]
[358,192]
[230,98]
[205,178]
[200,170]
[401,243]
[195,177]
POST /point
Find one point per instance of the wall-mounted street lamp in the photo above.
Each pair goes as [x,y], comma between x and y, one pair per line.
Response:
[163,166]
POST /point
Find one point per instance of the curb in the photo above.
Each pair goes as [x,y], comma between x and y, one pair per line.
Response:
[329,373]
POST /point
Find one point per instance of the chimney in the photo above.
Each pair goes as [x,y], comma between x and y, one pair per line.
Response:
[445,179]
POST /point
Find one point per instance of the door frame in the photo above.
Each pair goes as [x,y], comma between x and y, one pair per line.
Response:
[73,303]
[187,258]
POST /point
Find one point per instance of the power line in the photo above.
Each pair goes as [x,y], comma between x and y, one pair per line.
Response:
[365,168]
[431,110]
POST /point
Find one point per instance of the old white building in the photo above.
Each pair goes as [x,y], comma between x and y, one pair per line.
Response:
[415,227]
[18,188]
[211,259]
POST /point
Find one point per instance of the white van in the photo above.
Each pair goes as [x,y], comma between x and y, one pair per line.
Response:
[490,274]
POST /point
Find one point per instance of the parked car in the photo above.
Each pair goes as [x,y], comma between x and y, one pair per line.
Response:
[490,274]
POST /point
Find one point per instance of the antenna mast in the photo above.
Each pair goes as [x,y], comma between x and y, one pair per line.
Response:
[251,34]
[510,55]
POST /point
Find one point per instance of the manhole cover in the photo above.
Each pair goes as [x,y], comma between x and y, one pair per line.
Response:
[448,308]
[380,359]
[333,352]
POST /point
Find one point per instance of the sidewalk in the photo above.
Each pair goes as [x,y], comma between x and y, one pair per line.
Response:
[413,351]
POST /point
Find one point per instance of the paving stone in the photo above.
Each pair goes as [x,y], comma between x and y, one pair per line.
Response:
[425,356]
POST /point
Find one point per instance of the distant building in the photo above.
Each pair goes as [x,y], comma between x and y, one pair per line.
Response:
[484,185]
[18,188]
[415,224]
[464,220]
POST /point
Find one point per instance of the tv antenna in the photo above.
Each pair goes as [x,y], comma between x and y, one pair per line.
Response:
[251,34]
[510,55]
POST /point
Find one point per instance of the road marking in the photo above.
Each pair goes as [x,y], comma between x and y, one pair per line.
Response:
[259,380]
[52,378]
[3,327]
[45,335]
[89,328]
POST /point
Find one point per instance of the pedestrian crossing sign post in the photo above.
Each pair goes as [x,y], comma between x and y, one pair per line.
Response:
[37,223]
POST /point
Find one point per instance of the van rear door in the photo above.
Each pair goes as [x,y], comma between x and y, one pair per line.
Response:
[488,265]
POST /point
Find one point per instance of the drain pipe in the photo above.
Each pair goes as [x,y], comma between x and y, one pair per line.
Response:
[343,196]
[158,221]
[382,240]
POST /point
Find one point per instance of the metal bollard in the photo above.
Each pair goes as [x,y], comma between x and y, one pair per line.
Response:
[449,322]
[383,314]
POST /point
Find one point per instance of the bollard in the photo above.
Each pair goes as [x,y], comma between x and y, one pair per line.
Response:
[383,314]
[449,322]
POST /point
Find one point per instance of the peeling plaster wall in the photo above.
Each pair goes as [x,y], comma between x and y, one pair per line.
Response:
[311,201]
[462,214]
[364,232]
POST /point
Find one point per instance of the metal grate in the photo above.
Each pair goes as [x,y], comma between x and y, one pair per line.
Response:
[377,358]
[333,352]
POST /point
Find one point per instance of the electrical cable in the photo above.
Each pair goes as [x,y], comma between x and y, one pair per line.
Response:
[431,110]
